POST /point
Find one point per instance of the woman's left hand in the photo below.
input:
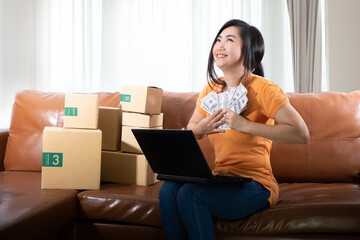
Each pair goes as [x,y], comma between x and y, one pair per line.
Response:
[235,121]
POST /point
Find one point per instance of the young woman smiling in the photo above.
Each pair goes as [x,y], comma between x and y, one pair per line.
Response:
[244,149]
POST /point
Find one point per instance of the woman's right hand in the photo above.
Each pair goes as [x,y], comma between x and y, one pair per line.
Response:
[201,125]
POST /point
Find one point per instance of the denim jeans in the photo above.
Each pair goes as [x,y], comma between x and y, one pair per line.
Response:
[187,209]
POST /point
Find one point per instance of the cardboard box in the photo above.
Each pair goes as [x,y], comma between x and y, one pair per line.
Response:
[126,168]
[71,158]
[141,99]
[142,120]
[81,111]
[128,140]
[110,125]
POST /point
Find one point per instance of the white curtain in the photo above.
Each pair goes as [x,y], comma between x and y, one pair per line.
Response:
[166,43]
[67,45]
[48,45]
[101,45]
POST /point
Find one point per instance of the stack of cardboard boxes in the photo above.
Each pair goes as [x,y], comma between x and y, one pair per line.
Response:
[141,108]
[72,154]
[79,155]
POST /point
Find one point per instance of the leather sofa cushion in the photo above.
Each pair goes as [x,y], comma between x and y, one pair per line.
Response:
[332,153]
[178,108]
[305,208]
[302,208]
[122,203]
[320,160]
[32,111]
[329,114]
[26,210]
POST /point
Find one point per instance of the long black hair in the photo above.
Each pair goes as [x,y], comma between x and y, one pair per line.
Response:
[252,51]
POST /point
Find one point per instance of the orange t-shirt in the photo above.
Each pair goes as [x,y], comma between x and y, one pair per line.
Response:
[241,154]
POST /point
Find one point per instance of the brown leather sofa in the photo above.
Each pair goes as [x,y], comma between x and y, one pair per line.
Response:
[319,181]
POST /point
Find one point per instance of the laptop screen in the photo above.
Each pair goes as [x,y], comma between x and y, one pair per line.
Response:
[173,152]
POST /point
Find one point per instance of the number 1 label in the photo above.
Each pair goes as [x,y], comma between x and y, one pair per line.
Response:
[70,111]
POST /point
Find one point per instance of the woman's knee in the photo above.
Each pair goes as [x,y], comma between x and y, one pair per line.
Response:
[169,190]
[188,192]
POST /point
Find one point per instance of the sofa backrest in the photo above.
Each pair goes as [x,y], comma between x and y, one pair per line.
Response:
[332,153]
[32,111]
[4,135]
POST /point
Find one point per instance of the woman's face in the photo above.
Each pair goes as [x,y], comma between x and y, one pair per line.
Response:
[227,49]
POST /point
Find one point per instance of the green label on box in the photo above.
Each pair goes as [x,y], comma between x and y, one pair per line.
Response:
[52,159]
[70,111]
[125,98]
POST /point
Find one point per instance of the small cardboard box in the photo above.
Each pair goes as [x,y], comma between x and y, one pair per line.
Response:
[81,111]
[141,99]
[128,140]
[126,168]
[142,120]
[110,125]
[71,158]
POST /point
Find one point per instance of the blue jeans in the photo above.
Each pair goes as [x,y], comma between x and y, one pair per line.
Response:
[187,209]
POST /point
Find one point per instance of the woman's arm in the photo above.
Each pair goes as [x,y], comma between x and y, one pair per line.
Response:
[290,127]
[201,125]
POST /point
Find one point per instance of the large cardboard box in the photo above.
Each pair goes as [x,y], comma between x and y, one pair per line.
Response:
[110,125]
[142,120]
[81,111]
[141,99]
[128,140]
[129,168]
[71,158]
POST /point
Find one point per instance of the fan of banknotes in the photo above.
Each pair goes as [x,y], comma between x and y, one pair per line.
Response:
[234,98]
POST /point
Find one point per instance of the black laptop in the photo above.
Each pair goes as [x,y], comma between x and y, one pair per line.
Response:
[175,155]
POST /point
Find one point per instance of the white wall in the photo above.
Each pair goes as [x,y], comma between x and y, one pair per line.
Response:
[343,32]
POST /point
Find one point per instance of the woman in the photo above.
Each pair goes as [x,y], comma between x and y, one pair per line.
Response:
[244,149]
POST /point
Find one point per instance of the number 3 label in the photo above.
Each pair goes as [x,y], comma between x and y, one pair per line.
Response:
[52,159]
[56,160]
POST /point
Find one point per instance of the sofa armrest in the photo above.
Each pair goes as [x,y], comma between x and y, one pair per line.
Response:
[4,134]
